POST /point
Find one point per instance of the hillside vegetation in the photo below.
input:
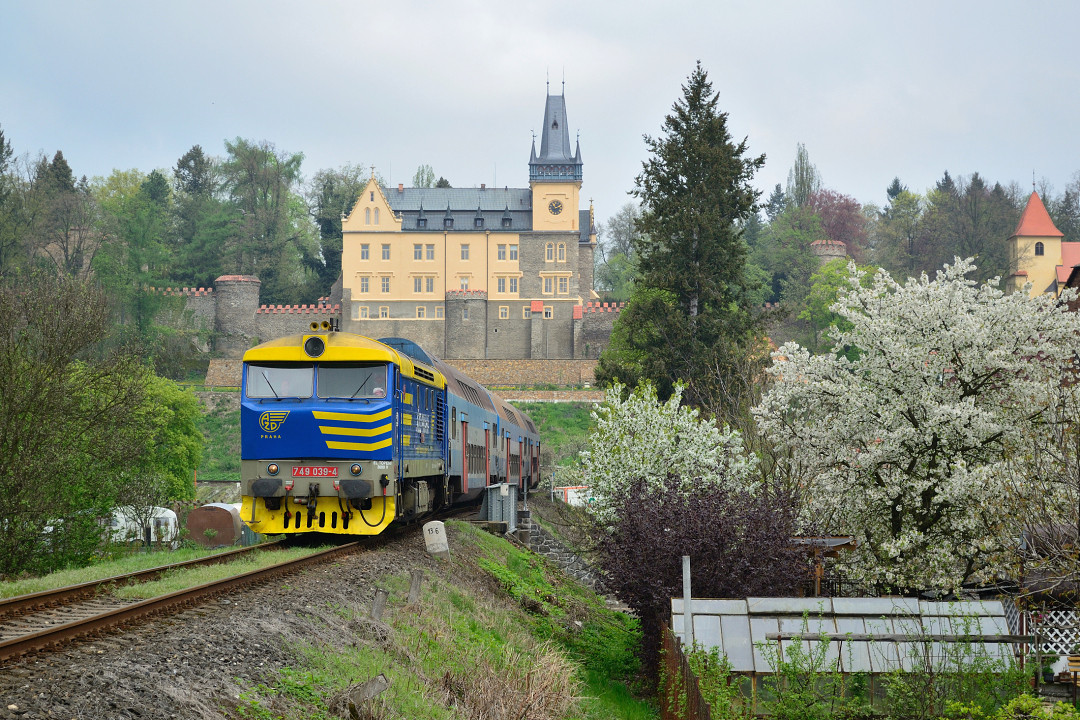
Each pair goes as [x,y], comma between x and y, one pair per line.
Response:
[497,633]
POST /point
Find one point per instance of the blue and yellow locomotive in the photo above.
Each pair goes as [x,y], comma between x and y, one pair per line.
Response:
[344,434]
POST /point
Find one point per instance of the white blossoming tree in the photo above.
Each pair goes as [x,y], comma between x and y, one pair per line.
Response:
[912,445]
[663,444]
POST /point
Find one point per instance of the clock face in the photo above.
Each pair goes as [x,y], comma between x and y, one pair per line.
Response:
[555,206]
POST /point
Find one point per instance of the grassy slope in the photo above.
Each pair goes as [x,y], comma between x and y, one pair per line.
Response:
[221,454]
[497,633]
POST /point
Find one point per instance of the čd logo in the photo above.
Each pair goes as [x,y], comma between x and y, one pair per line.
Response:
[271,419]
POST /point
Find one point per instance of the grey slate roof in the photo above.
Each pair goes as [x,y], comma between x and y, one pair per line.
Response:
[583,225]
[463,206]
[437,199]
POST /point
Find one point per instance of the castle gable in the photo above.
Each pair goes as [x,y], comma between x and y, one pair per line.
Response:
[372,212]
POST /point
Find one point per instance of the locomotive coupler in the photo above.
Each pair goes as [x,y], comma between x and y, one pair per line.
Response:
[313,496]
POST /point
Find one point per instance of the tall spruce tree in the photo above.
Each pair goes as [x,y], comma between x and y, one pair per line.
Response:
[689,318]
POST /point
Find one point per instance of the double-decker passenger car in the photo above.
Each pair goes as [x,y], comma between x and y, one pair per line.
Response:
[344,434]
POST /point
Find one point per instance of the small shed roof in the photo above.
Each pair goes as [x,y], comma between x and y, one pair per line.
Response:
[863,634]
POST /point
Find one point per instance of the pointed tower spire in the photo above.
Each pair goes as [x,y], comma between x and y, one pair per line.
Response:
[1035,220]
[555,163]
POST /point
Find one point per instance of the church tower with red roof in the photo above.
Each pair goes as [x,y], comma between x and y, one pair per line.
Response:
[1037,253]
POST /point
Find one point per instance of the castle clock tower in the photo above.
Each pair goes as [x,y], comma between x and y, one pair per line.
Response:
[555,174]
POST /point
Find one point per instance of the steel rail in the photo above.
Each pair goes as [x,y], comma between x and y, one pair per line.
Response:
[121,616]
[59,596]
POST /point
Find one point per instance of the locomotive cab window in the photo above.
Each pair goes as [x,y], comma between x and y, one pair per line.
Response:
[279,380]
[352,381]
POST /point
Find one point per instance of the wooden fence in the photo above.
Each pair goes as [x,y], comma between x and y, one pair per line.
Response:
[680,696]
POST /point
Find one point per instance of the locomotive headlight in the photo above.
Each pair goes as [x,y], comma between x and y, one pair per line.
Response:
[272,469]
[314,346]
[356,469]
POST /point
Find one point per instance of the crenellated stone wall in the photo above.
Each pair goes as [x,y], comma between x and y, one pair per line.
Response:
[599,319]
[554,343]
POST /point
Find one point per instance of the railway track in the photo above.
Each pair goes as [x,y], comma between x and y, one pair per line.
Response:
[30,623]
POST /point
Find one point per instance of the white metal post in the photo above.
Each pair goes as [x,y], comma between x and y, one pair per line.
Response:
[688,616]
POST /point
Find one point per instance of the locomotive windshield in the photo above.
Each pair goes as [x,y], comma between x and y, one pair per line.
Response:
[352,380]
[279,380]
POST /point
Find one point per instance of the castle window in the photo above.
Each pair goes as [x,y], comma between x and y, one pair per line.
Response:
[465,313]
[372,196]
[364,285]
[464,285]
[501,283]
[1039,249]
[549,252]
[386,251]
[562,249]
[363,312]
[429,284]
[417,252]
[367,216]
[564,285]
[376,216]
[417,284]
[548,286]
[364,254]
[547,312]
[513,285]
[421,222]
[526,312]
[513,252]
[385,282]
[501,252]
[479,222]
[464,252]
[384,312]
[430,249]
[421,312]
[439,311]
[504,312]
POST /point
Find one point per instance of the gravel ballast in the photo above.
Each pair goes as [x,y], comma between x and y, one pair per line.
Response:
[195,663]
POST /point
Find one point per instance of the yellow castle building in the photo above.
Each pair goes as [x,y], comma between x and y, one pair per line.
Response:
[477,272]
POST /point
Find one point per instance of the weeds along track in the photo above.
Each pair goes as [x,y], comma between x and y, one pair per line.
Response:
[52,618]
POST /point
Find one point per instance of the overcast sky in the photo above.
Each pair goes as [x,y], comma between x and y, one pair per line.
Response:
[872,89]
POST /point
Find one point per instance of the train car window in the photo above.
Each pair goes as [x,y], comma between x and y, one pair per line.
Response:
[279,380]
[453,423]
[352,381]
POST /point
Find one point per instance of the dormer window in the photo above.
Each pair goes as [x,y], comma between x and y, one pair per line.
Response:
[421,222]
[479,222]
[1039,249]
[448,222]
[506,222]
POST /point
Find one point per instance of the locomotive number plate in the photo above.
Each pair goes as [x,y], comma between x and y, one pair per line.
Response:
[314,471]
